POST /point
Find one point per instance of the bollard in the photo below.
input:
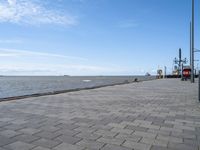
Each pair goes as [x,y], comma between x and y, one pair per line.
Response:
[199,86]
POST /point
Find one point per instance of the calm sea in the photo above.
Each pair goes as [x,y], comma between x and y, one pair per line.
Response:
[11,86]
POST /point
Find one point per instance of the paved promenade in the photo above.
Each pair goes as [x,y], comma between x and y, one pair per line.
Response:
[150,115]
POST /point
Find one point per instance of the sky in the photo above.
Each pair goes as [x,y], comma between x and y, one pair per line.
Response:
[94,37]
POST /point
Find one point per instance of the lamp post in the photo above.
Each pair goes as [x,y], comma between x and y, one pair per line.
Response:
[191,48]
[192,44]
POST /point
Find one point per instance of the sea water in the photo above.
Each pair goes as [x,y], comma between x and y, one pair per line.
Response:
[11,86]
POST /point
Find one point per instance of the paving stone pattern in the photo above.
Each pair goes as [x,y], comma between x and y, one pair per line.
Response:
[151,115]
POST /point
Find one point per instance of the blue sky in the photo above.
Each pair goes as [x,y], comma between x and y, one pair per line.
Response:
[93,37]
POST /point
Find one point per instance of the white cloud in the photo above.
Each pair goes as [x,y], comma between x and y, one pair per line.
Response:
[29,12]
[12,2]
[23,53]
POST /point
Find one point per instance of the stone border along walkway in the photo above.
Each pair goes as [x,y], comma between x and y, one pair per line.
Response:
[151,115]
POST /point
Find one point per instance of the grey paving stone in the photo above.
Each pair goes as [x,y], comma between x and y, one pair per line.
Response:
[102,127]
[66,146]
[88,136]
[153,141]
[114,147]
[137,146]
[170,118]
[67,126]
[18,121]
[136,128]
[170,139]
[29,131]
[14,127]
[85,129]
[78,119]
[46,143]
[191,142]
[26,138]
[105,133]
[67,132]
[171,129]
[68,139]
[111,120]
[89,144]
[184,127]
[2,129]
[34,125]
[3,124]
[183,135]
[6,119]
[19,146]
[9,133]
[49,128]
[143,122]
[155,147]
[4,140]
[116,125]
[145,134]
[128,137]
[158,120]
[198,137]
[157,127]
[160,132]
[84,124]
[141,117]
[191,132]
[181,146]
[48,135]
[120,130]
[163,124]
[51,122]
[40,148]
[113,141]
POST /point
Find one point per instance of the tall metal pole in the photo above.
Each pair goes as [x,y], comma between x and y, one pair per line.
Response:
[199,87]
[192,57]
[165,71]
[180,60]
[190,45]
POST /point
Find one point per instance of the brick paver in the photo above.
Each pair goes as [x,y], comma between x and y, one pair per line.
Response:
[159,114]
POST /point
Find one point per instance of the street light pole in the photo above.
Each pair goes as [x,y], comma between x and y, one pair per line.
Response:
[192,44]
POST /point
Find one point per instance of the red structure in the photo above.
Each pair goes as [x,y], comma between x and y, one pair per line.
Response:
[186,73]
